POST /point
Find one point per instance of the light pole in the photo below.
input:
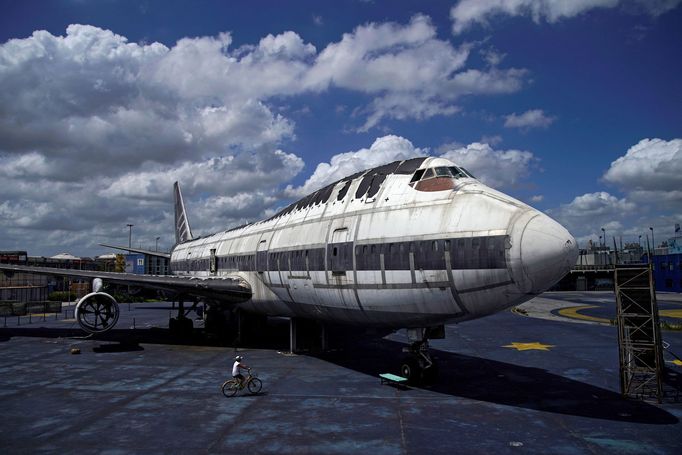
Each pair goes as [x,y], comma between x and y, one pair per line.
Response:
[130,235]
[639,241]
[653,241]
[604,235]
[157,243]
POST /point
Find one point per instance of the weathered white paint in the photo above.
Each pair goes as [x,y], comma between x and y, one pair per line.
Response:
[536,256]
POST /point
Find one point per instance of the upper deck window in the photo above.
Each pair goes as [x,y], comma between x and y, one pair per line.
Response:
[417,175]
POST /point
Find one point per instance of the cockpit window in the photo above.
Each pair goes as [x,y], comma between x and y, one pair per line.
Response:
[452,172]
[457,172]
[443,172]
[468,173]
[417,175]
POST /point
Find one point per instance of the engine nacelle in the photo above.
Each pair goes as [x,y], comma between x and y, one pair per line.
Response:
[97,312]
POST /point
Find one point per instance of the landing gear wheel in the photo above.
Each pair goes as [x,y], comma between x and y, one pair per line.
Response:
[255,385]
[230,388]
[409,369]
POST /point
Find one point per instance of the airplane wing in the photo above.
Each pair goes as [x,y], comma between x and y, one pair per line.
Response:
[232,289]
[139,250]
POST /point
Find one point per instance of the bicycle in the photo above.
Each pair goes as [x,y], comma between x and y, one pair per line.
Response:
[232,386]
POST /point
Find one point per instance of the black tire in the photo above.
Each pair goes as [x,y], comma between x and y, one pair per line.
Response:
[409,369]
[230,388]
[255,385]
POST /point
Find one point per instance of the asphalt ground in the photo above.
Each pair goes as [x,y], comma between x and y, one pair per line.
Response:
[508,383]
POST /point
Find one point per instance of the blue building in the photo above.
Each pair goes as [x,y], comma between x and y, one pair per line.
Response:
[135,263]
[668,272]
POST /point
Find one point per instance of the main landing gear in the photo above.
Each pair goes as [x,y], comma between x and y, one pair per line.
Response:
[182,325]
[418,366]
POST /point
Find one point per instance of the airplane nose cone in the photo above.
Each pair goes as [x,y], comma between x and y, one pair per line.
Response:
[548,251]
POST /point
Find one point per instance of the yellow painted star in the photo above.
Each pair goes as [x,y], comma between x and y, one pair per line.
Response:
[677,362]
[529,346]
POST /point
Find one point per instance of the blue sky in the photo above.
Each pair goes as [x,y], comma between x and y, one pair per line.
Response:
[574,108]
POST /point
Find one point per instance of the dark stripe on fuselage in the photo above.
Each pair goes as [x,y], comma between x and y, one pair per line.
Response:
[485,252]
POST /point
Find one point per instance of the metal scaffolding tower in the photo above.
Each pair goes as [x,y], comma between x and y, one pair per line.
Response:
[639,333]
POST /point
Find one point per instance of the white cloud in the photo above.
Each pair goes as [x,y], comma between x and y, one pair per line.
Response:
[537,198]
[650,165]
[469,12]
[649,176]
[384,150]
[497,168]
[534,118]
[94,128]
[412,74]
[589,212]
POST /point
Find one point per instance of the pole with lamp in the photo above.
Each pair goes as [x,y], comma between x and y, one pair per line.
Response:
[130,235]
[156,259]
[130,244]
[653,241]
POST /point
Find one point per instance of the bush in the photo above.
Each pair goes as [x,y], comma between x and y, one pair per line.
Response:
[62,296]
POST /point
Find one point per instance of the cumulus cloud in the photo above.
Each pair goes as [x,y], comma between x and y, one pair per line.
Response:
[648,174]
[497,168]
[383,150]
[534,118]
[587,213]
[95,128]
[649,165]
[431,75]
[469,12]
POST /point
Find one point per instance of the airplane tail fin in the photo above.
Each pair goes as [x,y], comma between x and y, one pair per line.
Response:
[182,230]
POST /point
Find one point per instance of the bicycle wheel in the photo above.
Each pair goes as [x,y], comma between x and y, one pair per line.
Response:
[255,385]
[230,388]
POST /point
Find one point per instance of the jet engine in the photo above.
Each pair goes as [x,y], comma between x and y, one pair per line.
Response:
[97,312]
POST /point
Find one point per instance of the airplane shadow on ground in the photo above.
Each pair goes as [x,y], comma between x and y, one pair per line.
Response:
[460,375]
[504,383]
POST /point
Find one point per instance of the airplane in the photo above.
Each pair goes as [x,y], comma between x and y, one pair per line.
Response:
[413,244]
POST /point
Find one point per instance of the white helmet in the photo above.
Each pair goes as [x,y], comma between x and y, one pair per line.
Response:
[238,358]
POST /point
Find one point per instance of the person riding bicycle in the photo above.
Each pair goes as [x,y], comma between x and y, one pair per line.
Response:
[238,365]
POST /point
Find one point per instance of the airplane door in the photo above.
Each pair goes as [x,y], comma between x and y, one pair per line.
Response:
[212,263]
[340,252]
[262,255]
[339,293]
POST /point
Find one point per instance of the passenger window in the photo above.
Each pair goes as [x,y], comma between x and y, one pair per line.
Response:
[428,174]
[434,245]
[364,249]
[447,245]
[335,251]
[417,175]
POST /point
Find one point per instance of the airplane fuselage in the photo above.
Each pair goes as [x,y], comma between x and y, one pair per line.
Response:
[403,245]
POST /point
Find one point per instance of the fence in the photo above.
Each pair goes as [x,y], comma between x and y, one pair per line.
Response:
[24,308]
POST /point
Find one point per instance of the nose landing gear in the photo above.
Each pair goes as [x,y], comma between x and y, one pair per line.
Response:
[418,366]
